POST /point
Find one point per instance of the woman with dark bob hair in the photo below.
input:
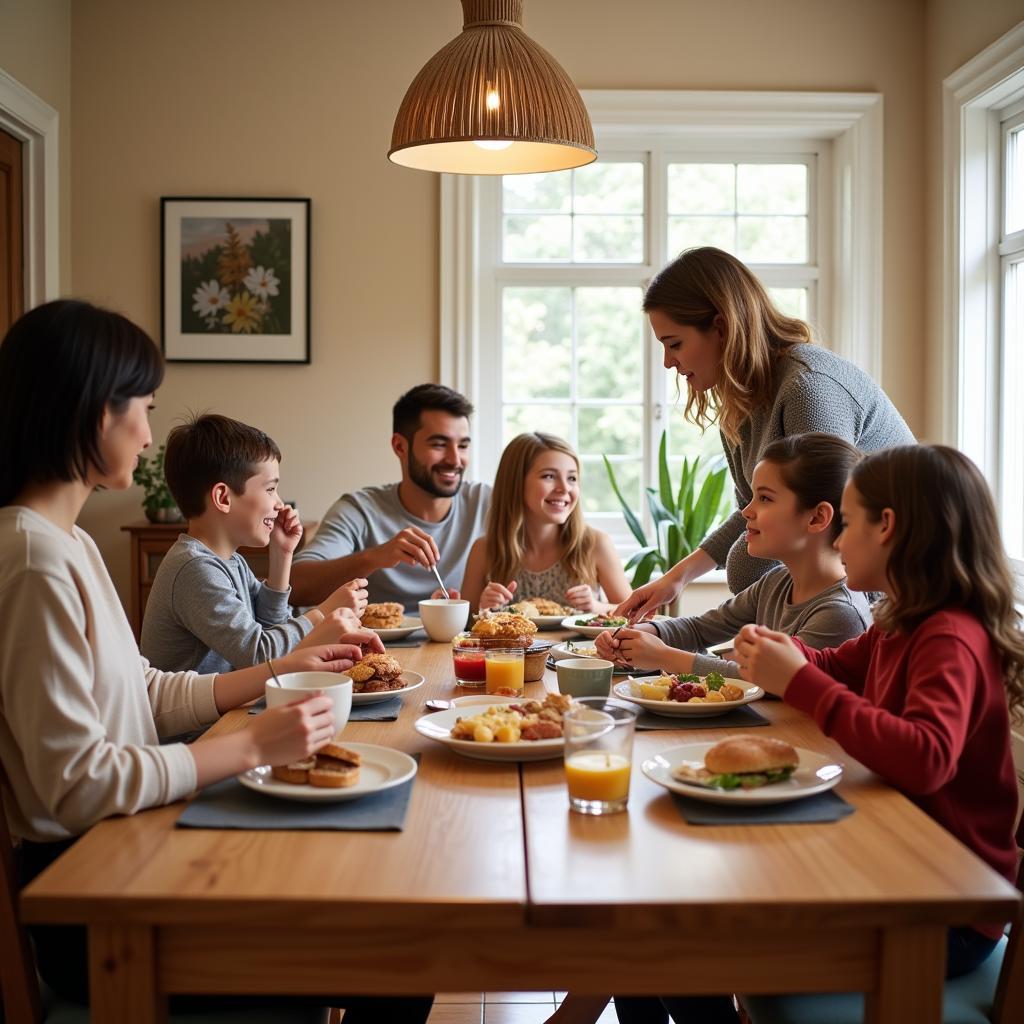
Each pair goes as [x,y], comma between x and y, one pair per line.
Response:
[757,374]
[81,712]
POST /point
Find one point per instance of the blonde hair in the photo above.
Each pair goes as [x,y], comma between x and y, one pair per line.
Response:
[506,520]
[705,283]
[946,550]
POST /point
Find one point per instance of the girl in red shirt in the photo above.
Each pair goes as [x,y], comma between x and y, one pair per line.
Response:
[922,698]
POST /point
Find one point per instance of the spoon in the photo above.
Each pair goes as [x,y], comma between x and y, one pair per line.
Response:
[440,582]
[270,665]
[437,705]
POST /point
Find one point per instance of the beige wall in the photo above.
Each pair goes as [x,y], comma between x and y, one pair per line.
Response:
[957,30]
[35,48]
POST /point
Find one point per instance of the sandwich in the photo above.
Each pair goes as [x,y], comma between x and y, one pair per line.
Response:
[337,767]
[742,762]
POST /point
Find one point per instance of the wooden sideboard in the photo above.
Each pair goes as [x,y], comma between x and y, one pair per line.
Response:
[151,541]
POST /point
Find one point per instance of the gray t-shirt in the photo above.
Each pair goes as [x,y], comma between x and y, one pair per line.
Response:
[212,615]
[374,515]
[817,391]
[826,620]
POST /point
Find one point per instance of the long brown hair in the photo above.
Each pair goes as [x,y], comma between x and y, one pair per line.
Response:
[506,521]
[945,549]
[701,284]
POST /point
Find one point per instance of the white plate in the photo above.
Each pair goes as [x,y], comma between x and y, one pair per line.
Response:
[410,681]
[485,699]
[569,622]
[409,625]
[674,709]
[546,621]
[815,774]
[381,769]
[561,651]
[438,726]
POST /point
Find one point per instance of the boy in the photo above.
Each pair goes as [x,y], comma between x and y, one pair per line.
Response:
[206,610]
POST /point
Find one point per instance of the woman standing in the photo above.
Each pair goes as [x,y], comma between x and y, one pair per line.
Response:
[757,374]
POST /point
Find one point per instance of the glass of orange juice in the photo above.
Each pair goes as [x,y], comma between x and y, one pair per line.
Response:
[598,755]
[504,671]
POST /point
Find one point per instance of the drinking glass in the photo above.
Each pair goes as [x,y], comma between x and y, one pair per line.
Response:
[598,755]
[504,671]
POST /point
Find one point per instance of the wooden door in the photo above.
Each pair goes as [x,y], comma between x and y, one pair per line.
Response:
[12,272]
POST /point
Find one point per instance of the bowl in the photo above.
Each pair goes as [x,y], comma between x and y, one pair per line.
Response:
[584,677]
[535,660]
[299,685]
[444,619]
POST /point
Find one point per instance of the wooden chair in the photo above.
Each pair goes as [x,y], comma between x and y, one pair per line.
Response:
[25,1003]
[991,994]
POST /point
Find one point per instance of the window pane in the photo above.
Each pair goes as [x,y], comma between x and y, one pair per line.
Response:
[549,419]
[597,492]
[536,342]
[791,301]
[608,239]
[537,238]
[771,188]
[701,188]
[684,232]
[609,343]
[609,188]
[610,429]
[772,239]
[549,192]
[684,438]
[1013,416]
[1015,181]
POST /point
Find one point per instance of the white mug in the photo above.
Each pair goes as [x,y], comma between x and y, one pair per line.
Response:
[299,685]
[444,619]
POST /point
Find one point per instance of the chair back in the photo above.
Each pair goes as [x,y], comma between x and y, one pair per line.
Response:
[1008,1007]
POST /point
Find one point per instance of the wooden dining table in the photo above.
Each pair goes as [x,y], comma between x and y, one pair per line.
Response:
[495,885]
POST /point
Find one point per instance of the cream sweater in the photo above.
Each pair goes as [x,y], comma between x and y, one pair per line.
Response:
[81,711]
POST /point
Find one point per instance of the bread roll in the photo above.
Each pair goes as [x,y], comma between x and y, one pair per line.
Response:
[739,754]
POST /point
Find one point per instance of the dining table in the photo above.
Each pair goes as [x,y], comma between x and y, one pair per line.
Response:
[494,884]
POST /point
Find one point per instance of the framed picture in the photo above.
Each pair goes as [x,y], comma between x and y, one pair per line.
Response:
[234,280]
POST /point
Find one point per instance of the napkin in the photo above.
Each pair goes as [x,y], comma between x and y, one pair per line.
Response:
[229,804]
[813,810]
[382,711]
[738,718]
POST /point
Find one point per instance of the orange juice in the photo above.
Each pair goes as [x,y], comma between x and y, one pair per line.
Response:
[595,775]
[504,671]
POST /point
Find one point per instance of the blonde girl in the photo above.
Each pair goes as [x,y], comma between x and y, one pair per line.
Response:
[756,374]
[537,544]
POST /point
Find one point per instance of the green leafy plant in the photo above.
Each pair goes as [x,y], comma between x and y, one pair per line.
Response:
[682,515]
[157,500]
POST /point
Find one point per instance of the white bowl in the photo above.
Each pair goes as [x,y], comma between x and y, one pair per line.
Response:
[444,619]
[300,685]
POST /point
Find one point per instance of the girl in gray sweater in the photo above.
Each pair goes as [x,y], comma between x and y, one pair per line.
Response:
[757,375]
[793,516]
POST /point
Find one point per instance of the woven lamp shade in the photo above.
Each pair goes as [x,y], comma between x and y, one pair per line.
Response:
[492,85]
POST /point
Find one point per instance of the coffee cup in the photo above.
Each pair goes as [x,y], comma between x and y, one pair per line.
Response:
[293,686]
[443,619]
[584,677]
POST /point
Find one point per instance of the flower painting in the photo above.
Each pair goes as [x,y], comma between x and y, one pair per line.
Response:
[236,280]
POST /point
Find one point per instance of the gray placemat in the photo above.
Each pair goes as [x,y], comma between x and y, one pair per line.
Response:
[408,641]
[824,807]
[738,718]
[229,804]
[382,711]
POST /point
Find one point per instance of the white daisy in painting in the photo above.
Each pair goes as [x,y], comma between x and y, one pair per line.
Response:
[261,282]
[210,298]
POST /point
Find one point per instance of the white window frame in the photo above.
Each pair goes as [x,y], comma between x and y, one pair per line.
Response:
[36,125]
[976,98]
[842,130]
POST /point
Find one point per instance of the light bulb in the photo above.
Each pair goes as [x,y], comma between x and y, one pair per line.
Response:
[493,101]
[495,144]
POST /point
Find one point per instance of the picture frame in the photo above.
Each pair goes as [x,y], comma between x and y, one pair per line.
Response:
[235,279]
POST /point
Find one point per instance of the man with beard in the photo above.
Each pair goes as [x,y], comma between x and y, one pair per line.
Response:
[393,534]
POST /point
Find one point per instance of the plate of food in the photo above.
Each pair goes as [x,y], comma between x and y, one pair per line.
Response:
[595,625]
[389,621]
[542,612]
[379,677]
[577,649]
[336,772]
[688,695]
[743,770]
[499,730]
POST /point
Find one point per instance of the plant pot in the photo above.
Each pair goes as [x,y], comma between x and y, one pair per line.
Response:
[164,514]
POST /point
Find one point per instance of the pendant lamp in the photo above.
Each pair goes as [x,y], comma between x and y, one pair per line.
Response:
[492,102]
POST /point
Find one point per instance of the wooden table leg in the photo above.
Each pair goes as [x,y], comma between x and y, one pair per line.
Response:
[911,976]
[122,976]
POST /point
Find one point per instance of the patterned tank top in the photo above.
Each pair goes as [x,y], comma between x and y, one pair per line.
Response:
[551,583]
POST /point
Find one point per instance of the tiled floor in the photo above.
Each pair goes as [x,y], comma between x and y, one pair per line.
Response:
[500,1008]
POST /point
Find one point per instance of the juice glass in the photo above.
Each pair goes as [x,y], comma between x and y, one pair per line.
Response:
[504,671]
[598,755]
[468,661]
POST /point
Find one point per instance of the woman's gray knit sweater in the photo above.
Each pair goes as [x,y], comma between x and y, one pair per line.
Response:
[817,391]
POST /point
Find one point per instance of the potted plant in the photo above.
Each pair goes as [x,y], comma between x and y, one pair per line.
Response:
[682,515]
[157,502]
